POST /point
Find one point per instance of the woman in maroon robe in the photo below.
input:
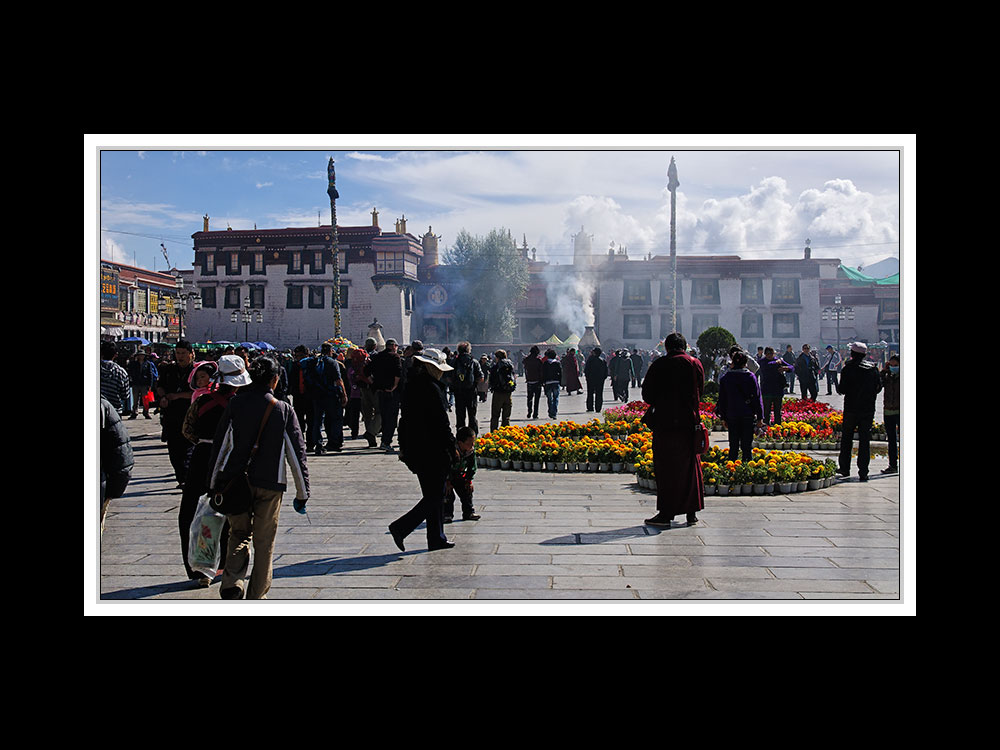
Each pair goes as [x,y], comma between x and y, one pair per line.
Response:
[571,373]
[673,387]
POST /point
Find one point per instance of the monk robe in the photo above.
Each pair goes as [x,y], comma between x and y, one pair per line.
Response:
[673,385]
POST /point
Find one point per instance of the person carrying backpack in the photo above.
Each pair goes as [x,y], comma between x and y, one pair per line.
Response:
[325,384]
[464,379]
[502,383]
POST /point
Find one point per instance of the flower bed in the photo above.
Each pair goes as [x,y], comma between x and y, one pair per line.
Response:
[767,473]
[622,446]
[566,446]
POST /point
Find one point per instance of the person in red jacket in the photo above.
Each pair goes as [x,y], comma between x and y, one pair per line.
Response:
[673,387]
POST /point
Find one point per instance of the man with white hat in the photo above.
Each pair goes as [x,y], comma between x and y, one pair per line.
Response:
[859,385]
[426,446]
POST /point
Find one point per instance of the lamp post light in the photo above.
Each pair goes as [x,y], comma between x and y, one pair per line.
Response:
[838,312]
[246,315]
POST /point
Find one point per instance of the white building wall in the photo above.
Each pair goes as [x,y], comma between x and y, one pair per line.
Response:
[286,327]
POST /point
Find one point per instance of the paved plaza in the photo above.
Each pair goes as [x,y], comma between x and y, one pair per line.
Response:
[543,537]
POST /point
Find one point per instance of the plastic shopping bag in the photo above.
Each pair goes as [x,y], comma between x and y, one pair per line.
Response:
[203,547]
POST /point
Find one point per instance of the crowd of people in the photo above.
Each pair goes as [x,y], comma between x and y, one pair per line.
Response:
[752,389]
[238,411]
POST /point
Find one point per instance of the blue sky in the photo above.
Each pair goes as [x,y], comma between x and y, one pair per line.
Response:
[753,196]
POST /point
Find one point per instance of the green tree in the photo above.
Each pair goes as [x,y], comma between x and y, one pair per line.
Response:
[713,343]
[495,278]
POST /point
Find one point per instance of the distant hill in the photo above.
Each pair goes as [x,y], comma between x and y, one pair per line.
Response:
[882,268]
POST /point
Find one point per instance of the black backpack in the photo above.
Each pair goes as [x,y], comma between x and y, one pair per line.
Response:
[502,377]
[464,376]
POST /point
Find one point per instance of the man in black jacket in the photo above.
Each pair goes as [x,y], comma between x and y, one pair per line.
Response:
[427,447]
[325,386]
[595,372]
[466,376]
[859,385]
[387,373]
[116,457]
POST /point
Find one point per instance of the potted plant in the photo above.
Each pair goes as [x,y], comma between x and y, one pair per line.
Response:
[784,478]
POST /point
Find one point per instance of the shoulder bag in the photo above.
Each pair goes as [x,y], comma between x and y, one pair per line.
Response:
[235,497]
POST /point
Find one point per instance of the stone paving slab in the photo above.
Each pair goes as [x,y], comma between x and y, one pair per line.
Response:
[542,538]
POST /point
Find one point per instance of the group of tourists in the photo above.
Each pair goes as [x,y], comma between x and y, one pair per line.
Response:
[242,412]
[752,389]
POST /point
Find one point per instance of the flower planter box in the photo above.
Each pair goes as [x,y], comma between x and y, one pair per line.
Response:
[769,488]
[746,489]
[516,465]
[536,465]
[492,462]
[815,484]
[505,464]
[617,468]
[802,486]
[784,487]
[723,490]
[605,467]
[759,489]
[710,489]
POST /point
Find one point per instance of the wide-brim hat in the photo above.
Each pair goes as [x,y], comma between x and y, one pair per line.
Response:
[859,347]
[233,370]
[435,358]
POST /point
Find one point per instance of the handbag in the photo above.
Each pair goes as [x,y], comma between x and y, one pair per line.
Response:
[235,497]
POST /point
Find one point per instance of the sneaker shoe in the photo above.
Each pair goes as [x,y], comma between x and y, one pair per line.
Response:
[449,519]
[692,519]
[470,517]
[320,450]
[890,470]
[234,592]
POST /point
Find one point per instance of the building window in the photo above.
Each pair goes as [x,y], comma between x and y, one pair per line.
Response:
[389,262]
[786,325]
[232,297]
[316,295]
[317,262]
[234,262]
[294,300]
[257,297]
[637,327]
[752,292]
[258,263]
[295,264]
[344,295]
[665,328]
[208,296]
[753,324]
[704,291]
[785,292]
[665,293]
[342,260]
[208,264]
[701,323]
[636,292]
[888,311]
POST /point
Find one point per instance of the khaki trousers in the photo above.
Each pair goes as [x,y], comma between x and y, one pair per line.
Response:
[258,528]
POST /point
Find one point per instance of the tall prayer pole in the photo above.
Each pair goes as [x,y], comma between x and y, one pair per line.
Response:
[672,184]
[331,190]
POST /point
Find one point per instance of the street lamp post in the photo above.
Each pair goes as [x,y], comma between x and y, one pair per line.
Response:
[838,312]
[246,315]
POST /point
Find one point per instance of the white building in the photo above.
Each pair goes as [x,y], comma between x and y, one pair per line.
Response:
[277,285]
